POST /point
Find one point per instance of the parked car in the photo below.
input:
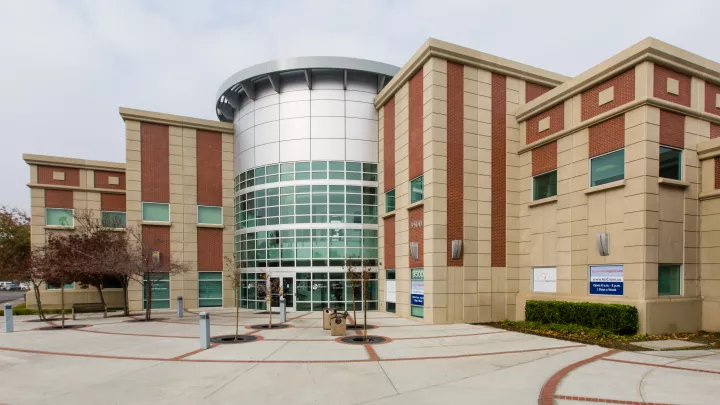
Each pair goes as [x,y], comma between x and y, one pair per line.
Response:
[25,286]
[11,286]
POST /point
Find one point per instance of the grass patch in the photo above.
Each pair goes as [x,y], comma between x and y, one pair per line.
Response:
[603,337]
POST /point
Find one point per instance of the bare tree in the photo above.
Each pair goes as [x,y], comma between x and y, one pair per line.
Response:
[60,259]
[353,269]
[234,277]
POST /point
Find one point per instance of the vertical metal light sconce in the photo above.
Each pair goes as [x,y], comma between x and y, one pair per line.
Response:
[603,243]
[414,250]
[456,249]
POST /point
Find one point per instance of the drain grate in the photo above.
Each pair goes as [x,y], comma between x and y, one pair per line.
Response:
[58,327]
[264,326]
[359,327]
[231,339]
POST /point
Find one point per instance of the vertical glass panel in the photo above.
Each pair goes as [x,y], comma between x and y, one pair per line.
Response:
[390,201]
[416,189]
[545,185]
[210,289]
[670,163]
[669,279]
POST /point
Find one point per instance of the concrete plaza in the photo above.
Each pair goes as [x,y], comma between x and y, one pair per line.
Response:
[115,361]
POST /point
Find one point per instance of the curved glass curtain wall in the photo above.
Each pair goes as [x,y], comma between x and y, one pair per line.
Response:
[337,201]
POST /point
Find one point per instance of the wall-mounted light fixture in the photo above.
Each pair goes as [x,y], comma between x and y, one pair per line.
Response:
[603,244]
[456,249]
[414,250]
[156,257]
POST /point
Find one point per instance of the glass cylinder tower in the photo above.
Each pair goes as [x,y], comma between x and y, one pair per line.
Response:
[306,196]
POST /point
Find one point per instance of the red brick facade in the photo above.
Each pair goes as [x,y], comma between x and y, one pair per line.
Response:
[661,74]
[209,168]
[607,136]
[498,177]
[544,158]
[210,249]
[672,129]
[714,131]
[58,198]
[624,92]
[416,125]
[155,162]
[389,145]
[157,238]
[455,158]
[557,123]
[112,202]
[417,234]
[533,91]
[711,92]
[102,180]
[72,176]
[389,243]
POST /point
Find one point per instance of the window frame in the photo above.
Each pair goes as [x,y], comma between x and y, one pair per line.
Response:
[680,280]
[142,213]
[222,214]
[113,212]
[222,286]
[590,162]
[542,174]
[387,198]
[680,163]
[72,216]
[422,185]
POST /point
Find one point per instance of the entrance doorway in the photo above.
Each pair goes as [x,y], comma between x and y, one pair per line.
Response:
[286,286]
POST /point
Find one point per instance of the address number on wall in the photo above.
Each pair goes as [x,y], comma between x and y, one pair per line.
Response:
[416,224]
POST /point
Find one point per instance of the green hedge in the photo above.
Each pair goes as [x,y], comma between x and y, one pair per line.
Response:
[620,319]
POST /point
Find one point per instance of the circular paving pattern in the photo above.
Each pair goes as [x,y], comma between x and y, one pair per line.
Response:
[361,340]
[59,327]
[232,339]
[264,326]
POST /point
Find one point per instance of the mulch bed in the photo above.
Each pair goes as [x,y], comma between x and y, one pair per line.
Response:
[710,339]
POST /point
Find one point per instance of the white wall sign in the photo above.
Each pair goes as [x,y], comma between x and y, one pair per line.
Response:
[544,279]
[390,291]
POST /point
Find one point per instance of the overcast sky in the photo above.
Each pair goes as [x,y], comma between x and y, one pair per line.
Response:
[66,66]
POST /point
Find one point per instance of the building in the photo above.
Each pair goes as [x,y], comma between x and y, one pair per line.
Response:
[491,182]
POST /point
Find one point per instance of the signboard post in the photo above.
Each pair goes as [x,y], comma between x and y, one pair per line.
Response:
[607,280]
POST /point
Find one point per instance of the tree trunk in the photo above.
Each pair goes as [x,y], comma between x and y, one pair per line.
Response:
[237,312]
[148,305]
[126,310]
[102,297]
[353,301]
[36,288]
[62,304]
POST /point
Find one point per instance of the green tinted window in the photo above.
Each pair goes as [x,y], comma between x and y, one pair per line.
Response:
[156,212]
[113,219]
[390,201]
[669,279]
[607,168]
[213,215]
[59,217]
[160,290]
[210,289]
[670,163]
[545,185]
[416,189]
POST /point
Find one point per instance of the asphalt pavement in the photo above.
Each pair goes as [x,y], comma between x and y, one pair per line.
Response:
[7,296]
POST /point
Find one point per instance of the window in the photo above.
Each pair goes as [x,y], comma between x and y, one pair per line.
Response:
[390,201]
[315,170]
[390,290]
[111,282]
[209,215]
[670,163]
[59,217]
[113,219]
[210,289]
[68,286]
[545,185]
[160,290]
[416,189]
[669,279]
[156,212]
[607,168]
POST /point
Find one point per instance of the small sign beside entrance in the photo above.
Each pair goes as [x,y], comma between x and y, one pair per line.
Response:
[607,280]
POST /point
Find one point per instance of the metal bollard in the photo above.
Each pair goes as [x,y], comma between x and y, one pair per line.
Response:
[8,318]
[283,312]
[204,330]
[180,306]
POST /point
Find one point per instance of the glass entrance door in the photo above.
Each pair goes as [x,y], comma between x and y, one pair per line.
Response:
[284,286]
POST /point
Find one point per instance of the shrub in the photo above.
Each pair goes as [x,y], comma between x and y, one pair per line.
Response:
[620,319]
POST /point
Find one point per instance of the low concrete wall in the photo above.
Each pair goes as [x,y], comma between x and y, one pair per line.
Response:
[51,298]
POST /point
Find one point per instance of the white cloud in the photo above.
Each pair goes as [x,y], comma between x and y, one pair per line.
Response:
[66,66]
